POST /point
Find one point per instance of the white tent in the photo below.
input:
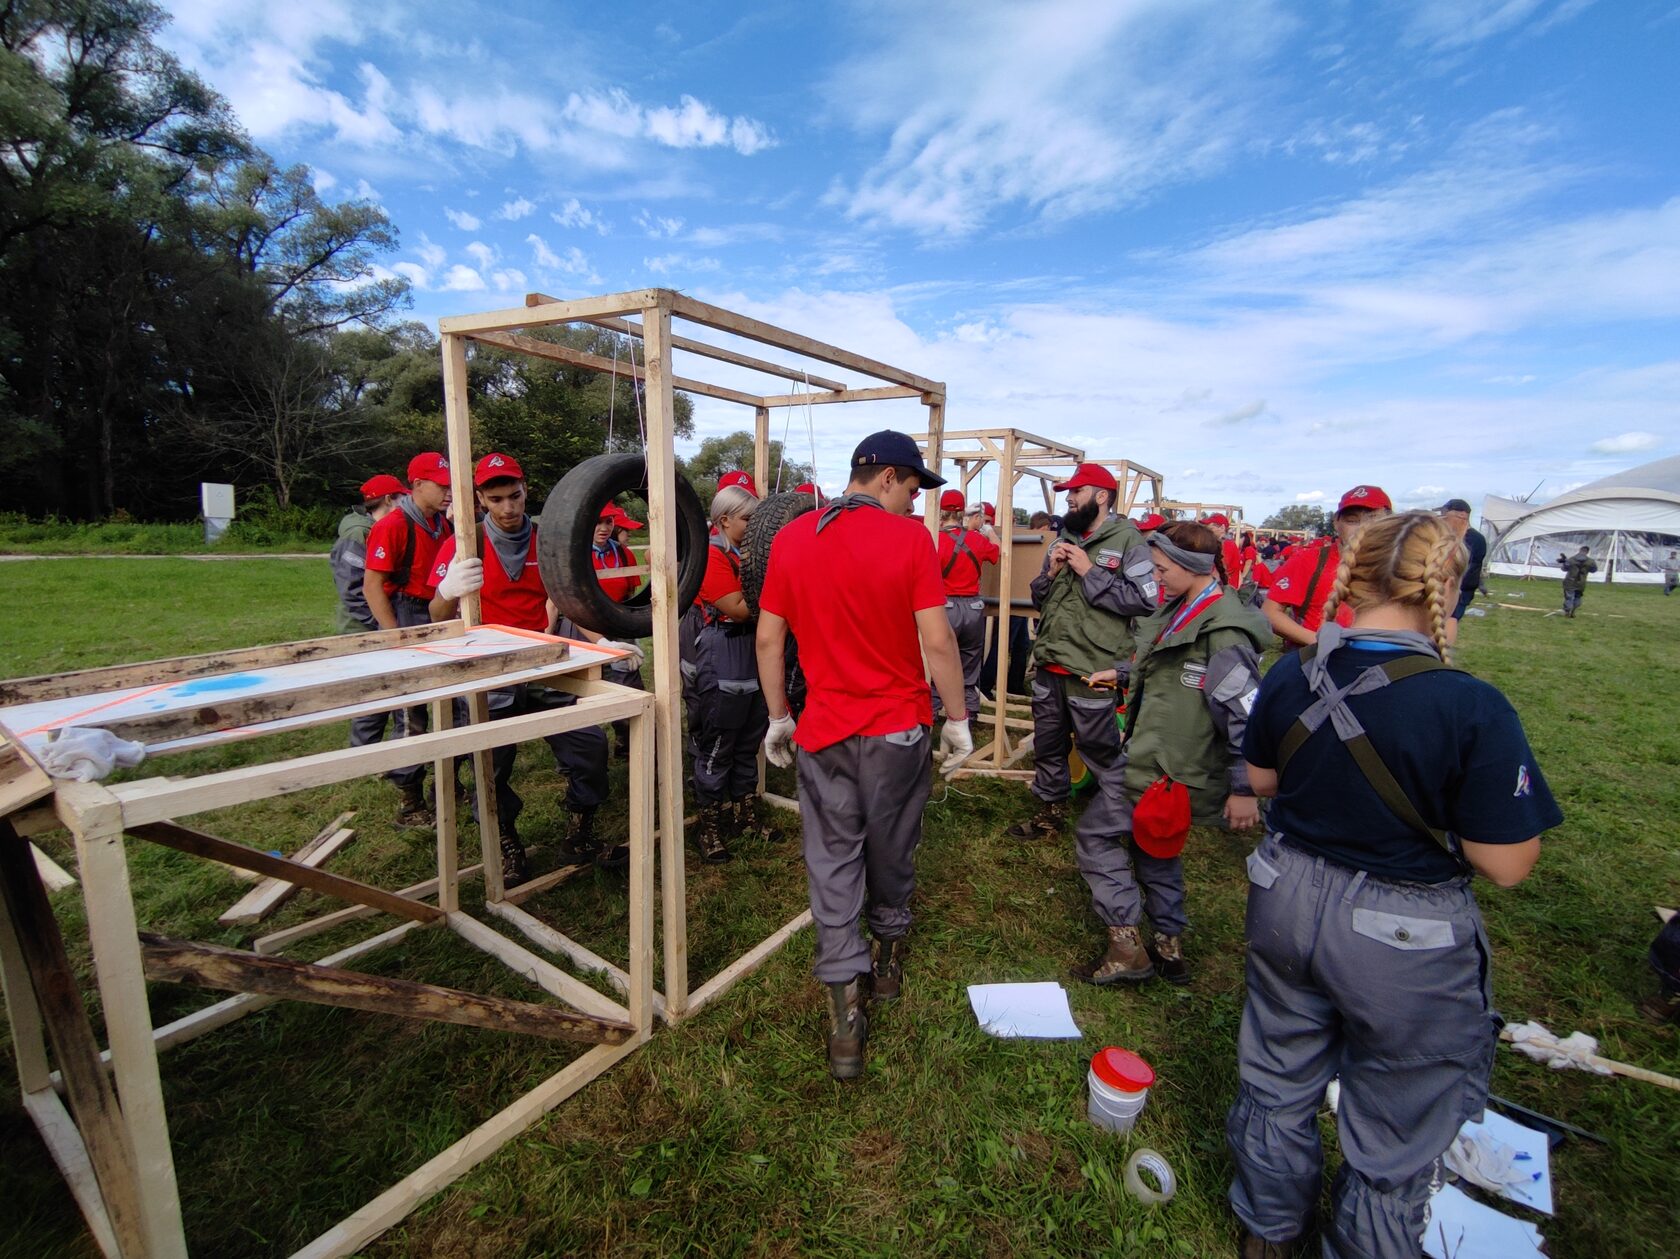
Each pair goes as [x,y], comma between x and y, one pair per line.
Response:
[1629,521]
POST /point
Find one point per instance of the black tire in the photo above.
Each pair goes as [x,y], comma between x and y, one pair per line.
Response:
[772,515]
[565,542]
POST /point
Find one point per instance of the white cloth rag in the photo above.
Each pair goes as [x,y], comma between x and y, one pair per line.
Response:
[89,754]
[1540,1043]
[1485,1162]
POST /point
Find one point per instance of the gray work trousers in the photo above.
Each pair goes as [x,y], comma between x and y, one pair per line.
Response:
[1064,709]
[967,615]
[1386,985]
[1114,866]
[406,721]
[860,805]
[369,728]
[581,755]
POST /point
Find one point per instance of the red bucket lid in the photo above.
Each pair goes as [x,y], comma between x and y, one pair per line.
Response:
[1122,1069]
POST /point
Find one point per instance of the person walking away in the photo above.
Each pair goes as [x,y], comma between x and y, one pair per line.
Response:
[1575,570]
[608,552]
[1300,588]
[859,584]
[1671,572]
[1192,684]
[396,582]
[961,553]
[348,560]
[1456,512]
[1393,779]
[509,585]
[1098,576]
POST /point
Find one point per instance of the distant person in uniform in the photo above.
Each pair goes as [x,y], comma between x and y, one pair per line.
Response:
[1456,512]
[1671,571]
[1300,587]
[1575,569]
[349,570]
[962,551]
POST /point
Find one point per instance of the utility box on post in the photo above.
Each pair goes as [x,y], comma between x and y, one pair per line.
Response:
[216,505]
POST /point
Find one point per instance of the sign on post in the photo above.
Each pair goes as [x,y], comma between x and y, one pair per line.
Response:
[216,505]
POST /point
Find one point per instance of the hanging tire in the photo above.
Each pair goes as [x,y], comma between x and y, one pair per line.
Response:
[772,515]
[566,539]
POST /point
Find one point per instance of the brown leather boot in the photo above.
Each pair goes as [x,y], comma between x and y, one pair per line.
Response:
[887,974]
[848,1029]
[516,869]
[1167,953]
[708,835]
[413,812]
[1252,1247]
[1047,823]
[1126,961]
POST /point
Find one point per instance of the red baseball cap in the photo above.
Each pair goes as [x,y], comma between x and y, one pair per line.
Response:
[988,511]
[1368,496]
[811,488]
[743,479]
[497,467]
[1154,520]
[1089,474]
[952,500]
[1217,520]
[380,486]
[429,466]
[621,518]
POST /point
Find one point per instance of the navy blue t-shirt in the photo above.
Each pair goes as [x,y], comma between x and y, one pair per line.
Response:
[1452,742]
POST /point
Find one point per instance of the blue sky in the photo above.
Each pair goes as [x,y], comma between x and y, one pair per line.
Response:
[1271,250]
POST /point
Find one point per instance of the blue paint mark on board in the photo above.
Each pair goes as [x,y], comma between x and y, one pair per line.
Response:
[230,682]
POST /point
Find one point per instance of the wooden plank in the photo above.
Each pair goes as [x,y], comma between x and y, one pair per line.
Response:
[280,941]
[547,938]
[54,876]
[180,668]
[709,351]
[198,844]
[156,799]
[761,448]
[549,313]
[539,970]
[531,887]
[489,812]
[746,964]
[458,440]
[816,398]
[92,1099]
[781,802]
[768,334]
[69,1152]
[314,697]
[538,348]
[22,780]
[23,1011]
[270,894]
[445,811]
[1070,454]
[235,970]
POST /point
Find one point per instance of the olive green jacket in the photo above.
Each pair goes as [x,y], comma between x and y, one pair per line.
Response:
[1085,623]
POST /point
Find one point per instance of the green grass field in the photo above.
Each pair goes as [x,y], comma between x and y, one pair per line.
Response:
[726,1136]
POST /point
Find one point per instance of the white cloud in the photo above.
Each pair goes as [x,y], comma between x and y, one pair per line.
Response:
[460,279]
[414,273]
[658,226]
[484,255]
[431,254]
[667,264]
[572,262]
[1446,25]
[515,209]
[1189,472]
[573,214]
[1527,378]
[1626,443]
[1240,414]
[508,280]
[461,219]
[1311,496]
[545,257]
[321,180]
[1426,491]
[694,124]
[364,191]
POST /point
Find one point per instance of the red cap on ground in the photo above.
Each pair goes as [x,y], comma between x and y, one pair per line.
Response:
[428,466]
[988,511]
[497,467]
[1122,1069]
[743,479]
[1216,521]
[1361,496]
[380,486]
[1154,520]
[952,500]
[1089,474]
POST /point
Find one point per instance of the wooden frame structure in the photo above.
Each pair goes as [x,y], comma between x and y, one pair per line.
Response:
[110,1135]
[647,316]
[1176,510]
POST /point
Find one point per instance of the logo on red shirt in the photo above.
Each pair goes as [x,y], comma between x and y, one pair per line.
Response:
[378,552]
[1281,584]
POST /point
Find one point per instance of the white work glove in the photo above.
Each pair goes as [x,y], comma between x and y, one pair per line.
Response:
[635,658]
[89,754]
[778,743]
[956,743]
[464,577]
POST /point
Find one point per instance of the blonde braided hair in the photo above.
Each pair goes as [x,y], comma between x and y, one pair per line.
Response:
[1412,559]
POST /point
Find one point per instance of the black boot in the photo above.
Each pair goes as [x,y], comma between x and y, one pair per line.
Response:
[752,822]
[887,974]
[515,868]
[708,835]
[580,845]
[413,813]
[1047,823]
[848,1029]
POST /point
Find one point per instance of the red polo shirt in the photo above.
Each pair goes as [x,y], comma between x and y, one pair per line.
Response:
[850,596]
[616,555]
[1232,556]
[962,572]
[1294,575]
[385,544]
[723,576]
[521,604]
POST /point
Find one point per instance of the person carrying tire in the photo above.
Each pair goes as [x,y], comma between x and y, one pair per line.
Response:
[727,716]
[607,552]
[1098,576]
[859,584]
[508,580]
[961,553]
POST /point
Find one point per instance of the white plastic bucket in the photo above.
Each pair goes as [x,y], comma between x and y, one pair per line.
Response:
[1112,1108]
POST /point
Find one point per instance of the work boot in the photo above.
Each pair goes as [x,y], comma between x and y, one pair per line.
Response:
[580,845]
[751,821]
[1126,961]
[1252,1247]
[887,975]
[413,813]
[1168,955]
[848,1029]
[613,857]
[1047,823]
[708,835]
[1664,1007]
[515,868]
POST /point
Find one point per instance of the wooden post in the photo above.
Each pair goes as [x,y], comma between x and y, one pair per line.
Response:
[458,426]
[94,817]
[448,834]
[761,449]
[935,454]
[1006,585]
[642,808]
[667,680]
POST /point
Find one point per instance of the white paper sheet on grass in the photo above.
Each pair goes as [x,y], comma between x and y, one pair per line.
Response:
[1462,1228]
[1536,1192]
[1039,1011]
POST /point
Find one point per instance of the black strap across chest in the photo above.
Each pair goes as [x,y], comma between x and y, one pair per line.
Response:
[1312,583]
[959,546]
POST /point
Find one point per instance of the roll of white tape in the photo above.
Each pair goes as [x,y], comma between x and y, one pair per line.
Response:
[1147,1160]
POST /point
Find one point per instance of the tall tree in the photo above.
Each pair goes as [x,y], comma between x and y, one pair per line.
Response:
[1302,517]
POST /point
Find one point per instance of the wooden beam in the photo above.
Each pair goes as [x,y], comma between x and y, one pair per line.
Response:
[54,876]
[280,941]
[878,394]
[531,887]
[709,351]
[268,895]
[64,1142]
[769,334]
[538,348]
[234,970]
[22,780]
[549,313]
[198,844]
[180,668]
[458,442]
[538,970]
[746,964]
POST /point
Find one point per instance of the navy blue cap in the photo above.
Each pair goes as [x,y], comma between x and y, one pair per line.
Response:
[899,449]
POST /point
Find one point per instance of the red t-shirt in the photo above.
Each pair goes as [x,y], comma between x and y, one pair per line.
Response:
[1233,561]
[723,576]
[962,577]
[385,547]
[850,596]
[522,604]
[1294,575]
[616,555]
